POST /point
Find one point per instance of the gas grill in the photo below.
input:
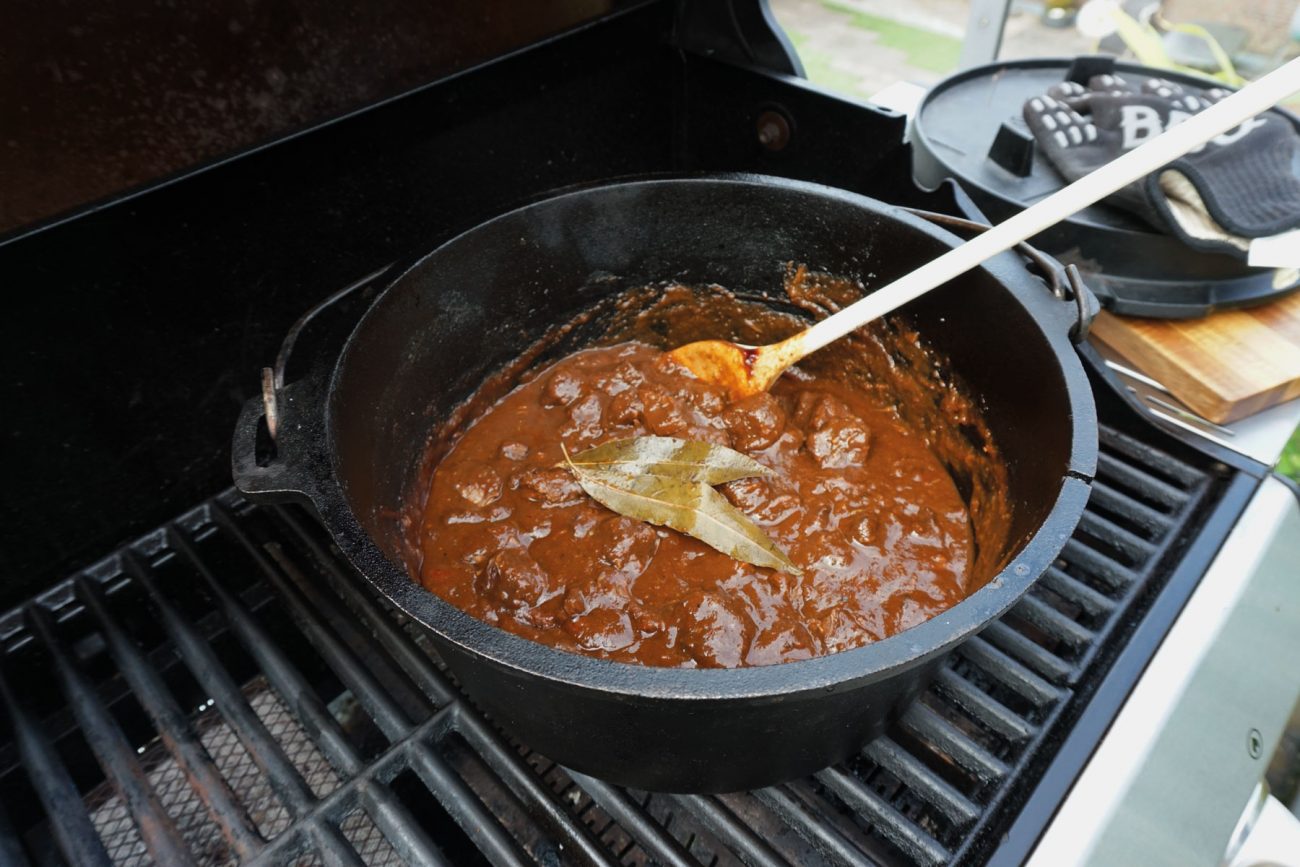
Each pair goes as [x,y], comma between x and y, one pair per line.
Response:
[188,678]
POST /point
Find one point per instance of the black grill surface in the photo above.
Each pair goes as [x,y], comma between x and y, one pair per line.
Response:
[225,690]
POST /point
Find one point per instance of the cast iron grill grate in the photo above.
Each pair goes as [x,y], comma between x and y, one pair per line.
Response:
[225,691]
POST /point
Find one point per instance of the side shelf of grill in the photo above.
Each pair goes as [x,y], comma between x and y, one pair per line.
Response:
[225,690]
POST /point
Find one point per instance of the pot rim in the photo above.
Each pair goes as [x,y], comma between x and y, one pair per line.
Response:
[833,672]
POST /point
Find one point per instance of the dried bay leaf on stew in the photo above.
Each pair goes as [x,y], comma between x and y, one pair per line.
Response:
[690,507]
[684,460]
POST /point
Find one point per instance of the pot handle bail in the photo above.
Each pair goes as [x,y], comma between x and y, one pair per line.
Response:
[1064,282]
[1085,302]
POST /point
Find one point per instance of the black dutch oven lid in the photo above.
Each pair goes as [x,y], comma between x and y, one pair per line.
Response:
[969,128]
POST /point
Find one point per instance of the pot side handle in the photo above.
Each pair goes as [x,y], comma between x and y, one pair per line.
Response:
[261,472]
[278,453]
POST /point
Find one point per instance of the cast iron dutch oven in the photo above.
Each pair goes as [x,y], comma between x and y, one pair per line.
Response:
[350,440]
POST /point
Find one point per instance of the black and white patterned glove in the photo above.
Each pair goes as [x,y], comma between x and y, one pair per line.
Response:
[1076,145]
[1239,186]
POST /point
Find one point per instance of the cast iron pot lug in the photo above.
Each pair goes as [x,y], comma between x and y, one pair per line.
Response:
[277,454]
[1063,281]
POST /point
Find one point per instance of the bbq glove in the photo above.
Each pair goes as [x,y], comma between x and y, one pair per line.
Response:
[1238,187]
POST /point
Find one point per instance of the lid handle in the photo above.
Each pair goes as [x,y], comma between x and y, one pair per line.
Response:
[1013,148]
[1085,66]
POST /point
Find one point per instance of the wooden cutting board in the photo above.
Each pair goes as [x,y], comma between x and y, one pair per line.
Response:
[1225,366]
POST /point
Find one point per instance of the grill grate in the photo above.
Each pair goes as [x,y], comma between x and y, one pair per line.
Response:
[226,691]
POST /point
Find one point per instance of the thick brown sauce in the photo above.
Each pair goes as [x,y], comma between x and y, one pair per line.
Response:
[858,501]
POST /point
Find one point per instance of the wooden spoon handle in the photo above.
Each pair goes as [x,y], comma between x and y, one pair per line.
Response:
[1091,188]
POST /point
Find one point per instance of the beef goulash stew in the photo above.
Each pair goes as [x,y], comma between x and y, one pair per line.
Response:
[861,490]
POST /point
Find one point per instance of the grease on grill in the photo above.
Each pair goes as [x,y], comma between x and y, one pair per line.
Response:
[865,439]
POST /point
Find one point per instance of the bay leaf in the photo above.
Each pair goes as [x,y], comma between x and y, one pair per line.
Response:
[690,507]
[684,460]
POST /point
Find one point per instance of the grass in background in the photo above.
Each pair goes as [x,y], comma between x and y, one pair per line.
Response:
[818,66]
[1290,462]
[925,49]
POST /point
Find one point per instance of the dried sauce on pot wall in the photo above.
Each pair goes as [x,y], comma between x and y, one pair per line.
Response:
[886,491]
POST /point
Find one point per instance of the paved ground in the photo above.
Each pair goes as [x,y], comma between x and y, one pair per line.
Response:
[861,46]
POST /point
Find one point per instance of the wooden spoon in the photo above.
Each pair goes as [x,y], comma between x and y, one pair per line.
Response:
[746,370]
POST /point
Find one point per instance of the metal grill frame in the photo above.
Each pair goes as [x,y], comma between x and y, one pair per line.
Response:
[892,804]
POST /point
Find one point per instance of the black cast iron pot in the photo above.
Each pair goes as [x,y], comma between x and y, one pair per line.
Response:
[350,439]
